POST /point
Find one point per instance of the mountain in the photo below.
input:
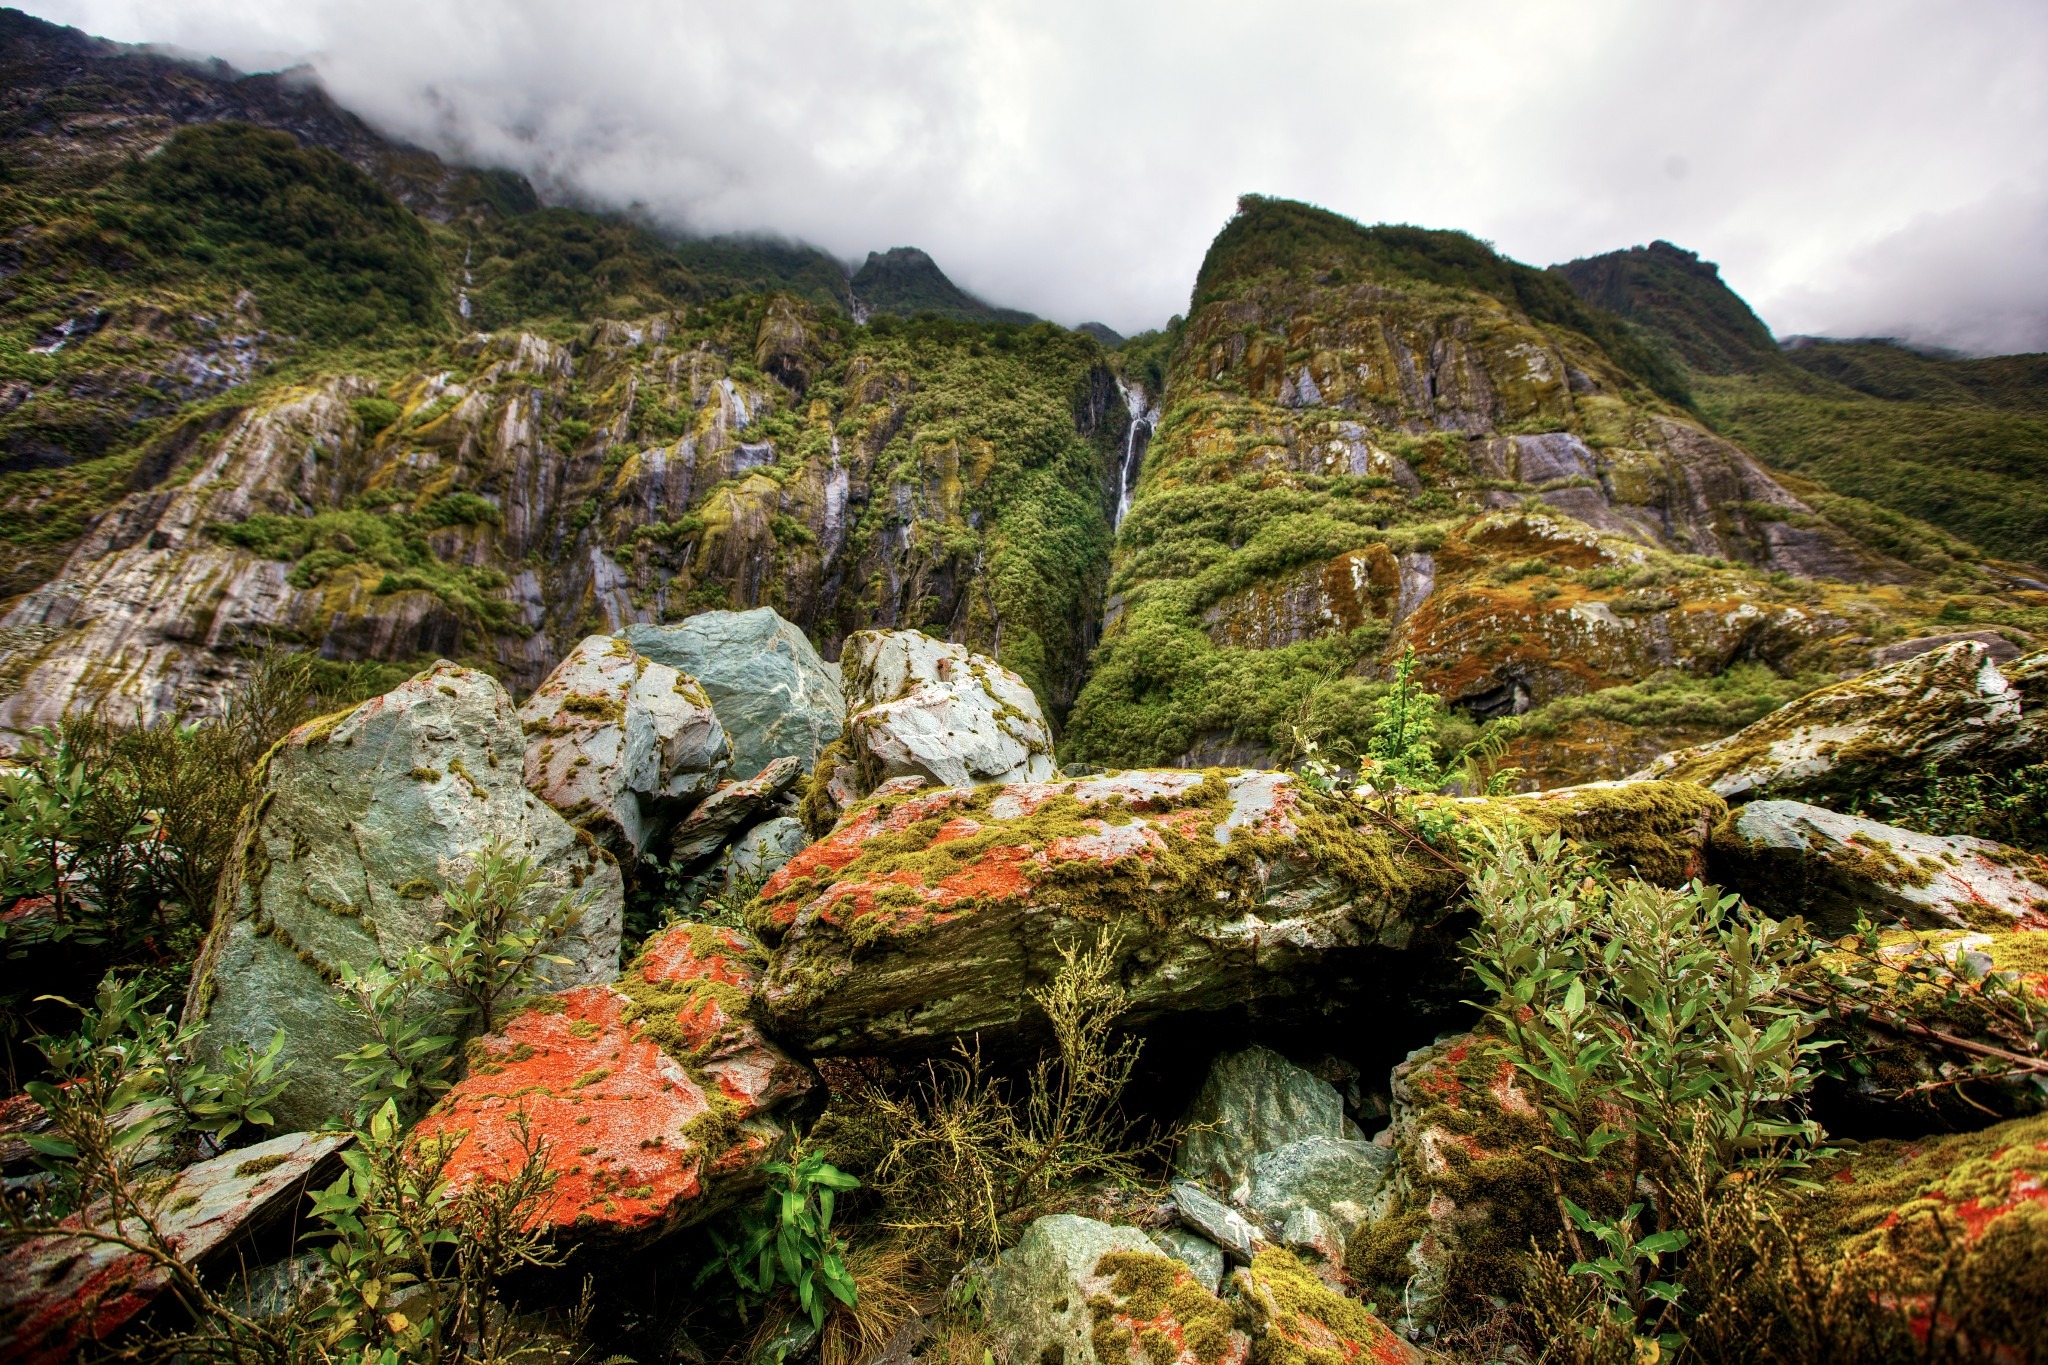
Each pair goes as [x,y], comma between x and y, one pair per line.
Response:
[1378,439]
[1959,443]
[906,283]
[269,379]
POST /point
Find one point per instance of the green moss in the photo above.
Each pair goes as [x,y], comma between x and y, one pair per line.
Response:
[1148,1288]
[1300,1303]
[258,1165]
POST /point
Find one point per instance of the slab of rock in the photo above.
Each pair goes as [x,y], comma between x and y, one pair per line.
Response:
[1071,1284]
[59,1293]
[732,808]
[1789,858]
[1217,1222]
[776,697]
[616,742]
[922,707]
[1297,1319]
[1251,1103]
[926,916]
[651,1096]
[1953,708]
[360,820]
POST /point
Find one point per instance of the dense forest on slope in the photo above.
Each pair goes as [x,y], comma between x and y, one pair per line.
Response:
[1959,443]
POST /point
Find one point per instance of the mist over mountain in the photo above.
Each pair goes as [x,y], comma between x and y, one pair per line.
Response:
[1857,170]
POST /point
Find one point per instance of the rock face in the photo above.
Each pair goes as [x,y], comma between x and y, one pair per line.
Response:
[919,707]
[919,917]
[359,822]
[615,742]
[61,1293]
[1951,708]
[651,1095]
[1793,859]
[775,696]
[1085,1293]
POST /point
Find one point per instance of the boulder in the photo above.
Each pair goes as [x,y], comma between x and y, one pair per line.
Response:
[1323,1184]
[1253,1102]
[1996,647]
[775,696]
[1200,1255]
[1789,858]
[1077,1292]
[61,1293]
[922,707]
[1298,1320]
[359,822]
[1466,1188]
[699,835]
[651,1096]
[615,742]
[1950,709]
[764,850]
[1953,1227]
[923,914]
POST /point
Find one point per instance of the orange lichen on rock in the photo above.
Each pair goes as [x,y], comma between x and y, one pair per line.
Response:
[639,1094]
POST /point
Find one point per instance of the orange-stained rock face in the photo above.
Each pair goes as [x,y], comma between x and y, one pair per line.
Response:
[649,1097]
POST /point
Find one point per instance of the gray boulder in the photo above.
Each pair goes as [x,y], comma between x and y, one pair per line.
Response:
[729,810]
[1332,1180]
[1253,1103]
[1203,1258]
[1042,1291]
[760,853]
[925,708]
[1215,1221]
[1790,858]
[775,696]
[360,821]
[616,741]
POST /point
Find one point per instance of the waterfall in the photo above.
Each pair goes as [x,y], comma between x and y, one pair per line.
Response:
[462,294]
[1145,417]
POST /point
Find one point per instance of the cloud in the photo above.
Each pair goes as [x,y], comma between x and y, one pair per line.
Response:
[1844,160]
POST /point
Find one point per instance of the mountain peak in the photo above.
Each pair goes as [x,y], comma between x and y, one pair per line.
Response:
[906,282]
[1671,292]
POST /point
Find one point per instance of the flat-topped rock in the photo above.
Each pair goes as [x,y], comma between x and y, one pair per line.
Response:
[926,915]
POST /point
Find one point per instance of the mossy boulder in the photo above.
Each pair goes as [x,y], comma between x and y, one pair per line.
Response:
[775,695]
[1789,858]
[919,707]
[359,823]
[1954,1228]
[1467,1190]
[1299,1320]
[1949,709]
[1074,1291]
[928,915]
[617,743]
[652,1095]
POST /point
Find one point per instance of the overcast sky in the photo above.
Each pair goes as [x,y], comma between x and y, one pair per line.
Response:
[1857,167]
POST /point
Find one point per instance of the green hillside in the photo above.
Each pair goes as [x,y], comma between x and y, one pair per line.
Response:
[1959,443]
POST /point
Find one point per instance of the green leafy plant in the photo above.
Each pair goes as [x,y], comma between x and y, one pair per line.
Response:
[495,943]
[1664,1042]
[400,1063]
[787,1243]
